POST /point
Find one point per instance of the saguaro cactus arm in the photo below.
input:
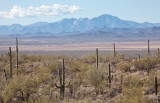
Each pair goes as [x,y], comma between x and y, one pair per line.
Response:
[5,74]
[68,84]
[58,86]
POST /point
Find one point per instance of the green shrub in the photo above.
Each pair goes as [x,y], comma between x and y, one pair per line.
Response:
[43,78]
[149,81]
[131,81]
[35,58]
[124,65]
[145,63]
[120,56]
[51,67]
[79,67]
[109,58]
[19,87]
[97,78]
[132,89]
[30,58]
[43,100]
[90,59]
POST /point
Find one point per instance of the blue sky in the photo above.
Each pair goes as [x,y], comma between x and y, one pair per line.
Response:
[30,11]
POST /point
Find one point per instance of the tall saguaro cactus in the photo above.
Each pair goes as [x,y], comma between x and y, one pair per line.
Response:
[156,85]
[17,53]
[114,50]
[10,55]
[62,80]
[97,58]
[158,52]
[148,49]
[110,77]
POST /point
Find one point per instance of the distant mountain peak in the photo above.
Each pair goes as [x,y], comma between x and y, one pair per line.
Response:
[106,15]
[102,22]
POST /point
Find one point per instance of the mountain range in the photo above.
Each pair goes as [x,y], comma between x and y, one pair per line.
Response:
[104,23]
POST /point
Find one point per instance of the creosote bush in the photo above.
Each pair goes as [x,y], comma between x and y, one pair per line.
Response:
[109,58]
[98,78]
[149,81]
[19,87]
[30,58]
[132,90]
[145,63]
[89,59]
[124,65]
[79,67]
[50,67]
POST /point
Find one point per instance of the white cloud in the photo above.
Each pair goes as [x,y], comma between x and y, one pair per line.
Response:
[44,10]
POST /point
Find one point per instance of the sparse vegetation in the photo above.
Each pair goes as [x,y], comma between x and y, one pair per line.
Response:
[126,81]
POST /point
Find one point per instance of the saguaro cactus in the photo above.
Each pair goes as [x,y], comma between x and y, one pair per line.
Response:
[10,55]
[97,58]
[148,49]
[139,55]
[158,52]
[110,77]
[156,85]
[62,80]
[17,53]
[122,56]
[114,50]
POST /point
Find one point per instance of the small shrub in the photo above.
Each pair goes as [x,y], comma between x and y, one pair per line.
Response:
[145,63]
[124,65]
[120,56]
[132,90]
[51,67]
[43,78]
[97,78]
[19,86]
[79,67]
[149,81]
[30,58]
[109,58]
[35,58]
[90,59]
